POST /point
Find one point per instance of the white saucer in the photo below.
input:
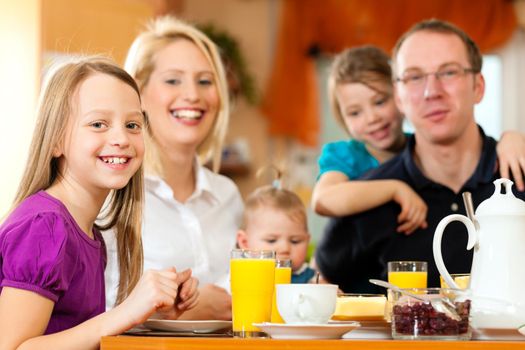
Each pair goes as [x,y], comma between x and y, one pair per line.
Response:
[307,331]
[200,326]
[369,330]
[497,334]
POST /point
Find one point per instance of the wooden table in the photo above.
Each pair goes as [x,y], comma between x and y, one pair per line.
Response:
[124,342]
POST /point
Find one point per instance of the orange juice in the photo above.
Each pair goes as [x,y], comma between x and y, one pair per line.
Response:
[462,280]
[252,285]
[283,275]
[408,279]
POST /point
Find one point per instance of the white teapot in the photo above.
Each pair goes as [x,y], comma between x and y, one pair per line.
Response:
[497,277]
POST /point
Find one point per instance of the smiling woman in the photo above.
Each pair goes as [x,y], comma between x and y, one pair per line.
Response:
[181,98]
[185,95]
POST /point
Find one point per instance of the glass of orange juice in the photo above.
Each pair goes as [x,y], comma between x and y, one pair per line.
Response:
[461,279]
[408,274]
[252,277]
[283,275]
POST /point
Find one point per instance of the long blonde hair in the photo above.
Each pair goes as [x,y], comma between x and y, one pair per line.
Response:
[140,64]
[125,205]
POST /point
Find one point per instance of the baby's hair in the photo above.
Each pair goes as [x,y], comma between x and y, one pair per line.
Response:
[367,65]
[55,106]
[279,174]
[276,197]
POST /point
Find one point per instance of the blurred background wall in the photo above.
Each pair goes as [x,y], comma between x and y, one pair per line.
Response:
[20,40]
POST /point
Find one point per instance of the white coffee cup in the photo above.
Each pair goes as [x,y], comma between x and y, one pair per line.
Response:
[306,303]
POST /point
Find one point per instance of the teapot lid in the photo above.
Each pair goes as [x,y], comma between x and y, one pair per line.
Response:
[501,203]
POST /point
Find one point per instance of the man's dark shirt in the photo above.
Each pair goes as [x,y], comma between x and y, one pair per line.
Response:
[356,248]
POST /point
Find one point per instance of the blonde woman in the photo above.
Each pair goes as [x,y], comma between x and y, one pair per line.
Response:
[191,213]
[87,144]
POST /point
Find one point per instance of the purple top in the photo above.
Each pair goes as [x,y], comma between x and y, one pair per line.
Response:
[43,250]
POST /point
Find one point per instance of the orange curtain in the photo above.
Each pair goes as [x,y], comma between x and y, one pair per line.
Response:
[291,103]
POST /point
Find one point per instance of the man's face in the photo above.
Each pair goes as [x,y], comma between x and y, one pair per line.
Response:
[440,107]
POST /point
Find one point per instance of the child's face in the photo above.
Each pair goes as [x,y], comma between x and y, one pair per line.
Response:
[181,96]
[272,229]
[104,144]
[370,116]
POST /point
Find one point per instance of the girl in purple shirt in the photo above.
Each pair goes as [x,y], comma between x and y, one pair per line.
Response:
[87,145]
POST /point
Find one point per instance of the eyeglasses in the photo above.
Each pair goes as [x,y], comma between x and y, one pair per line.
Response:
[416,79]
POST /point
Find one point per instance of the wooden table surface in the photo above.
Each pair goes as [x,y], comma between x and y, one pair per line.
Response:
[124,342]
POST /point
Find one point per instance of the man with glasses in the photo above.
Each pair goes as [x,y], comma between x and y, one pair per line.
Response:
[438,81]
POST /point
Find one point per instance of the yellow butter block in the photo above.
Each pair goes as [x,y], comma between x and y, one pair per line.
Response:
[360,307]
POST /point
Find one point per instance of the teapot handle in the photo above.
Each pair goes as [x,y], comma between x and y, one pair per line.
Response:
[436,246]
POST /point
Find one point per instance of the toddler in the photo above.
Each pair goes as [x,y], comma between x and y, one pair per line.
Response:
[275,219]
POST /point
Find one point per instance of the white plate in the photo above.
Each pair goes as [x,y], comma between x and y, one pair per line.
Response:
[368,330]
[201,326]
[497,334]
[307,331]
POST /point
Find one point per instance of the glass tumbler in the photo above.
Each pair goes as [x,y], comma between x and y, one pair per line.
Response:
[252,278]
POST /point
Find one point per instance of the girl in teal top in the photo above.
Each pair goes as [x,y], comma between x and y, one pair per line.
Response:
[348,157]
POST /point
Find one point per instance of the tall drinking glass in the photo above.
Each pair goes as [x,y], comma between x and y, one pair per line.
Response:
[405,274]
[283,275]
[408,274]
[461,279]
[252,284]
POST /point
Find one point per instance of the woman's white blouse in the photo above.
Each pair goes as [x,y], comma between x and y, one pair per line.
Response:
[198,234]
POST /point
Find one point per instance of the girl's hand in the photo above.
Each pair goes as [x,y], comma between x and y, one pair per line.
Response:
[188,291]
[212,303]
[156,290]
[186,298]
[511,157]
[413,209]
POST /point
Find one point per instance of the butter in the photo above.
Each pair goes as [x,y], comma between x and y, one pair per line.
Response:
[360,307]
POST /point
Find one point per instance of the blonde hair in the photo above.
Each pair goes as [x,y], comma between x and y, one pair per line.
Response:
[276,197]
[140,63]
[54,109]
[367,65]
